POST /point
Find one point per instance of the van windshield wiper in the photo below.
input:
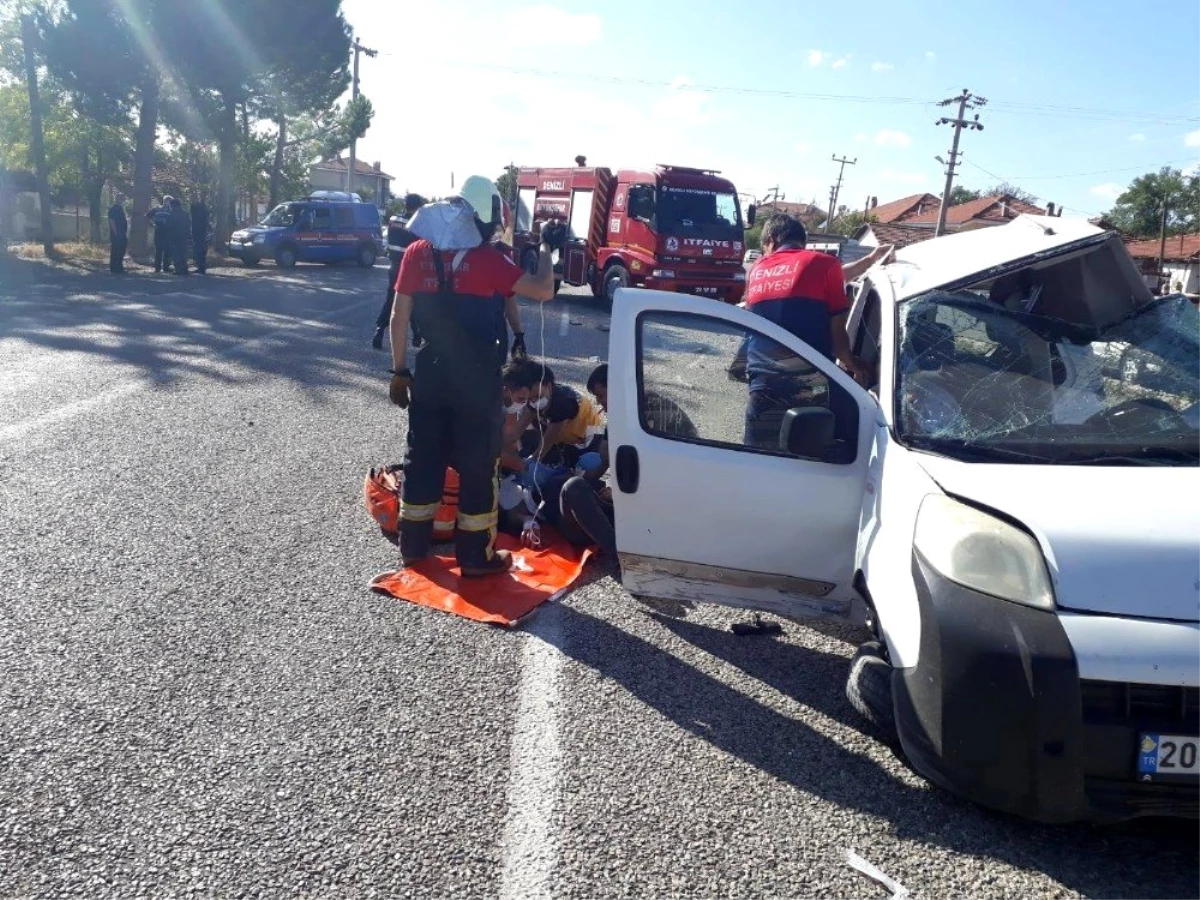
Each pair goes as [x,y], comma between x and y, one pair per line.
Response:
[1139,456]
[980,452]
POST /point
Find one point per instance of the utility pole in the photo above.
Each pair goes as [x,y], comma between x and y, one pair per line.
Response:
[37,142]
[350,173]
[1162,239]
[966,100]
[771,197]
[837,188]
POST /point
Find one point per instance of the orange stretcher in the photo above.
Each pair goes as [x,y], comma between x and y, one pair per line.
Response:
[536,576]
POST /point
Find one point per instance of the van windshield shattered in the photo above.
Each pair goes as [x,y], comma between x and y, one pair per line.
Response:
[978,381]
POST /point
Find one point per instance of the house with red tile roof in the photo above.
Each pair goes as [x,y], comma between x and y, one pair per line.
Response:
[912,226]
[904,209]
[1181,260]
[997,209]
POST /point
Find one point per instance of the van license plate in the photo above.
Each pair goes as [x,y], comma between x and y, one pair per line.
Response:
[1168,755]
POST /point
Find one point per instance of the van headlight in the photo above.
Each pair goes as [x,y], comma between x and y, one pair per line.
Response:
[982,553]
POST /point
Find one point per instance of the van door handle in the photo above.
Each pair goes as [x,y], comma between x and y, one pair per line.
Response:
[628,469]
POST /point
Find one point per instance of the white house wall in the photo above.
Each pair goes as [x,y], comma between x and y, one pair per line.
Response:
[1186,273]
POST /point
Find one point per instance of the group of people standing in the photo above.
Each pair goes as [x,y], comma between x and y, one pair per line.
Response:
[173,226]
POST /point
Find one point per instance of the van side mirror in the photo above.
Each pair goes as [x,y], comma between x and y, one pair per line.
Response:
[807,432]
[751,214]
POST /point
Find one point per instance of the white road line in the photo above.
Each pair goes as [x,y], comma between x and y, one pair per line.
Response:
[564,321]
[71,410]
[530,845]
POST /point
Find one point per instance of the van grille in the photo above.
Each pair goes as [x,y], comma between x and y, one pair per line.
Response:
[1126,702]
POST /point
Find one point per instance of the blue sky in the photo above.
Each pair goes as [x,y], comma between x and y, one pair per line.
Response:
[1083,97]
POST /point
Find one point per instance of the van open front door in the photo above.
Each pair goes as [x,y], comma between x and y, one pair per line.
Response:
[725,492]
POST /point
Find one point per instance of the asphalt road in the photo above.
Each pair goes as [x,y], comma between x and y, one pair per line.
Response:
[202,698]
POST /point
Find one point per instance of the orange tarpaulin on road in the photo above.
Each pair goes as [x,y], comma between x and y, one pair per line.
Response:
[536,576]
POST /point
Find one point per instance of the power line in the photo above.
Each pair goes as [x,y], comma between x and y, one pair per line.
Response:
[1145,168]
[882,100]
[1090,213]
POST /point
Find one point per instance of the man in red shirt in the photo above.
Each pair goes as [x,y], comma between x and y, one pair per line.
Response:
[457,298]
[803,291]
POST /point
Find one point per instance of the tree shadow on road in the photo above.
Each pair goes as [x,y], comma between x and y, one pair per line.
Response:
[168,327]
[1101,862]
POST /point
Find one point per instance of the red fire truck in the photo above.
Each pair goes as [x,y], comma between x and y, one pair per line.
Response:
[672,228]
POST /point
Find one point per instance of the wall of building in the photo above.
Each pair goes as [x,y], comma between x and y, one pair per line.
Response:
[1185,274]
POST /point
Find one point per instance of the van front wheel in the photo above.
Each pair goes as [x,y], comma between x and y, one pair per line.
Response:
[285,257]
[366,256]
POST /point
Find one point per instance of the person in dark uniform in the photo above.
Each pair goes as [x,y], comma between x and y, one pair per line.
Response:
[160,218]
[399,237]
[200,235]
[456,411]
[118,235]
[179,227]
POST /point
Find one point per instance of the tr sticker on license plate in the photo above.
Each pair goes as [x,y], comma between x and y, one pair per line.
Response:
[1164,755]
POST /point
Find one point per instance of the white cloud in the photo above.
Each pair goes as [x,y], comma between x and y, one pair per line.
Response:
[802,148]
[1193,169]
[816,57]
[1192,139]
[881,67]
[569,29]
[1109,190]
[841,63]
[860,138]
[1137,137]
[888,138]
[929,54]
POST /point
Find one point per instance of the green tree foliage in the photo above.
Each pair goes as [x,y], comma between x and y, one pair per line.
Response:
[210,68]
[1011,190]
[506,184]
[960,194]
[848,223]
[110,56]
[1138,211]
[83,154]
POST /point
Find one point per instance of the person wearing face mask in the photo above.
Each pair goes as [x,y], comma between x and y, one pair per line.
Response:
[517,381]
[567,429]
[454,284]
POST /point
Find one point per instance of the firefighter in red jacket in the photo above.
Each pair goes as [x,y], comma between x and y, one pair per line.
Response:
[454,403]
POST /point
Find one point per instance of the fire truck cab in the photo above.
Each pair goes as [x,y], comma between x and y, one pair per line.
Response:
[671,228]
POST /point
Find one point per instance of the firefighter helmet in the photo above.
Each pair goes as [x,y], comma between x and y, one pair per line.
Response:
[480,192]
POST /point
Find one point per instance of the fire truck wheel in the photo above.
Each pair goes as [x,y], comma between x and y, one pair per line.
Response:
[615,276]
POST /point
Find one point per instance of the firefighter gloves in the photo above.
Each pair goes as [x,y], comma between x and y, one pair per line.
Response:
[398,388]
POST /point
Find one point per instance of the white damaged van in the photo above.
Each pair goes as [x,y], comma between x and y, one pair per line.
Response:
[1011,508]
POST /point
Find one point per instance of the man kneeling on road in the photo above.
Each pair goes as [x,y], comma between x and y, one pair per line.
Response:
[457,299]
[583,508]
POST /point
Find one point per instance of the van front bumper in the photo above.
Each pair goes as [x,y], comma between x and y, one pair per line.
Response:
[996,711]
